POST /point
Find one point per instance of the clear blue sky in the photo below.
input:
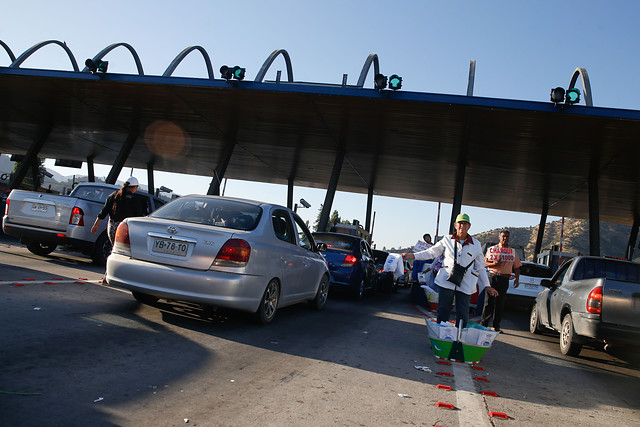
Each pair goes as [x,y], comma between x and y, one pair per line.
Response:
[522,49]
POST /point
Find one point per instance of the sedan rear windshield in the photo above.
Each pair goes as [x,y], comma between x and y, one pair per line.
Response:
[212,211]
[335,241]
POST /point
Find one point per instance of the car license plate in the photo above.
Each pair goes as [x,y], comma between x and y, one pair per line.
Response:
[170,247]
[528,286]
[39,207]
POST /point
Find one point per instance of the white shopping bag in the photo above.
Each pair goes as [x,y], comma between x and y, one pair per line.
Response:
[432,296]
[394,264]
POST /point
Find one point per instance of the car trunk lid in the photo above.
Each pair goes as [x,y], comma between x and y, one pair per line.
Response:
[176,243]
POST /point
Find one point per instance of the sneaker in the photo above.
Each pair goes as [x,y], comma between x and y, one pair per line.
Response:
[498,330]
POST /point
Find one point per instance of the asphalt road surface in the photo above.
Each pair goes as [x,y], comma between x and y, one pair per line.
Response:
[75,352]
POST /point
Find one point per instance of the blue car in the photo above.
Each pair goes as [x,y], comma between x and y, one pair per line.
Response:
[351,263]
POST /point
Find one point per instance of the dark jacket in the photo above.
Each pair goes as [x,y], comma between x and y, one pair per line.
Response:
[129,205]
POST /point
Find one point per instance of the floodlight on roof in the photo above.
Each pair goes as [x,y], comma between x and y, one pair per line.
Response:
[572,96]
[380,81]
[238,73]
[395,82]
[226,73]
[229,73]
[97,66]
[557,95]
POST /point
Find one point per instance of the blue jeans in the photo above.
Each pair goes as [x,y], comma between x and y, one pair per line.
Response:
[444,306]
[480,303]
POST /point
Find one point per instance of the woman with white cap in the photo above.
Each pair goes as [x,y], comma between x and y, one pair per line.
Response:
[120,204]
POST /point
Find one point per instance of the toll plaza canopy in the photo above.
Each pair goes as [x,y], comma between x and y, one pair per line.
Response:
[515,155]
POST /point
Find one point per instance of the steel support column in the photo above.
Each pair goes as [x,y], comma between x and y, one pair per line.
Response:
[594,216]
[457,197]
[331,191]
[150,182]
[543,223]
[35,176]
[290,194]
[633,237]
[32,155]
[90,170]
[118,164]
[219,171]
[369,208]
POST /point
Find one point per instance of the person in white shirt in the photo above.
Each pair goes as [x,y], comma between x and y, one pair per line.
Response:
[463,249]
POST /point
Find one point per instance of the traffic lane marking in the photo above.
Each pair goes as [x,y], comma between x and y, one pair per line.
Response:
[473,410]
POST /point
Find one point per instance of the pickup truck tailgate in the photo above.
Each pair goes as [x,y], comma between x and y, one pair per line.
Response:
[39,210]
[621,303]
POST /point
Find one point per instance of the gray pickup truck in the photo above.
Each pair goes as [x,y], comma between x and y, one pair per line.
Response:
[590,298]
[44,221]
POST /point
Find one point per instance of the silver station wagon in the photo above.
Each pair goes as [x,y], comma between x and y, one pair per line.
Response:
[219,251]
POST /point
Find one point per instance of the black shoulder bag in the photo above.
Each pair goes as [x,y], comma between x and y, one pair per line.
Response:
[458,272]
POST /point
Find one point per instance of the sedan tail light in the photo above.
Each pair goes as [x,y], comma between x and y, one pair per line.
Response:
[349,261]
[6,207]
[594,301]
[77,216]
[234,253]
[122,245]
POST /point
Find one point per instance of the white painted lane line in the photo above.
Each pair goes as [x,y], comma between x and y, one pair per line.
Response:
[472,408]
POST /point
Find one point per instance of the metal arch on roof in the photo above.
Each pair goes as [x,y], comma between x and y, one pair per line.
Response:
[109,48]
[365,68]
[27,53]
[8,50]
[178,59]
[586,84]
[269,61]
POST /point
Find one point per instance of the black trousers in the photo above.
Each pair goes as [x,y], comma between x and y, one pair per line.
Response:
[493,305]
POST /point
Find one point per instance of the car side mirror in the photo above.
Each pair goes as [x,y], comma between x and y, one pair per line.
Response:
[546,283]
[321,247]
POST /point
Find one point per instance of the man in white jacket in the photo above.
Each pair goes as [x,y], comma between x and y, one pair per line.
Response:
[463,249]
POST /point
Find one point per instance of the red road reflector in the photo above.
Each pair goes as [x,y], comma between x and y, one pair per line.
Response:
[31,280]
[49,283]
[498,415]
[82,278]
[443,362]
[446,374]
[446,387]
[477,368]
[445,405]
[17,284]
[79,282]
[481,379]
[57,278]
[490,393]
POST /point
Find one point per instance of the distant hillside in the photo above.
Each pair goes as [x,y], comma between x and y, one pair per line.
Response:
[613,238]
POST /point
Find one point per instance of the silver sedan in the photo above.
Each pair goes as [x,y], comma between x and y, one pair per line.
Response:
[219,251]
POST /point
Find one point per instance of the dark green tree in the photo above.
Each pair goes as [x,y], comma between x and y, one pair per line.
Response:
[28,179]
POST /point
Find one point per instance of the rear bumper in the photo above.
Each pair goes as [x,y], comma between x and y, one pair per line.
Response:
[590,326]
[236,291]
[346,279]
[34,234]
